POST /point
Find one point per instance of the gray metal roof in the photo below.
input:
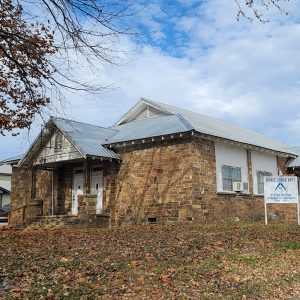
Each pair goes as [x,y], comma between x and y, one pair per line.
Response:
[11,160]
[4,190]
[294,162]
[218,128]
[86,138]
[151,127]
[89,139]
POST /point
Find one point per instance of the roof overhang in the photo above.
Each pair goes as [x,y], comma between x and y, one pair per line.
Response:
[196,134]
[4,191]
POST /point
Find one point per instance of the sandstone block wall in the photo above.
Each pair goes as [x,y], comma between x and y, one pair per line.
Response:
[86,206]
[22,194]
[176,181]
[167,181]
[153,181]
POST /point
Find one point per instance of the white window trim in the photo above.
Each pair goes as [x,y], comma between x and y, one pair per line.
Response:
[257,171]
[232,167]
[235,157]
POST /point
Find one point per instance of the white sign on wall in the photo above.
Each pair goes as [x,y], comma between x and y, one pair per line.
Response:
[281,190]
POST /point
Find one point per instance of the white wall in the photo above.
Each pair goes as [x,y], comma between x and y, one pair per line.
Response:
[262,162]
[229,156]
[49,154]
[5,169]
[5,199]
[5,176]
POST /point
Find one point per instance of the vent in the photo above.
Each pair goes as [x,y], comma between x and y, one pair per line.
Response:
[152,220]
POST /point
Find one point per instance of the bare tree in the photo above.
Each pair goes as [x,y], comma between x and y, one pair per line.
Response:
[38,42]
[251,9]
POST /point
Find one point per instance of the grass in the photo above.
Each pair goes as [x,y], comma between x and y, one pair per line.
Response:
[288,244]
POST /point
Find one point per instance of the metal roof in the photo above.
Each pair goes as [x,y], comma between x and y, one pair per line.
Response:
[294,162]
[11,160]
[218,128]
[150,127]
[89,140]
[4,190]
[86,138]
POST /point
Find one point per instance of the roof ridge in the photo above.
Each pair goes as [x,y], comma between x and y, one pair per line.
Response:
[216,119]
[144,119]
[79,122]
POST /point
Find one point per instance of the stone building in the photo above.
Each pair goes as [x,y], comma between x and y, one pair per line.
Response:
[157,164]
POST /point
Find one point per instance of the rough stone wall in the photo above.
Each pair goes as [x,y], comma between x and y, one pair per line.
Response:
[86,206]
[44,190]
[87,212]
[21,180]
[176,181]
[153,181]
[21,194]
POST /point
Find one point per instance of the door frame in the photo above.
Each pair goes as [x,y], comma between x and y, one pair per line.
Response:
[100,172]
[73,187]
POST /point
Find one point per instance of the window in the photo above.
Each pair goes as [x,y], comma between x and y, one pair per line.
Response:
[58,141]
[230,175]
[260,180]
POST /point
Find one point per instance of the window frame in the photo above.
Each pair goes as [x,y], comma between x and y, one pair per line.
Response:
[259,182]
[230,178]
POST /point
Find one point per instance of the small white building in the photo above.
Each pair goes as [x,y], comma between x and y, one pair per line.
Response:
[5,179]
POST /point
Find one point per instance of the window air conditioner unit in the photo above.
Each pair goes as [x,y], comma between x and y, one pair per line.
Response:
[240,186]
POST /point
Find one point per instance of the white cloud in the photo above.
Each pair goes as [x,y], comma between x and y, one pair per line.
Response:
[245,73]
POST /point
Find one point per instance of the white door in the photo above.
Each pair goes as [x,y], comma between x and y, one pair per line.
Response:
[97,189]
[77,190]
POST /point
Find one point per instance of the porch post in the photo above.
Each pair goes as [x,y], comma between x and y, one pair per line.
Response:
[87,176]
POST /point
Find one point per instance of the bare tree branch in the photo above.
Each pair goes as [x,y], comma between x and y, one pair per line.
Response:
[37,59]
[254,9]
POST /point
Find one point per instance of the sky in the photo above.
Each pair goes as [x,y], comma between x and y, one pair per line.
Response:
[196,55]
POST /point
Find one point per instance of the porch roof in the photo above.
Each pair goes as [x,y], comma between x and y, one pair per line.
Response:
[84,137]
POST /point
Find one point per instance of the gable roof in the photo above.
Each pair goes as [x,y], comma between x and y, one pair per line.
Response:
[84,137]
[211,126]
[90,140]
[150,127]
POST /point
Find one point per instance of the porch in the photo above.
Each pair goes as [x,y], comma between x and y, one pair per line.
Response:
[67,190]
